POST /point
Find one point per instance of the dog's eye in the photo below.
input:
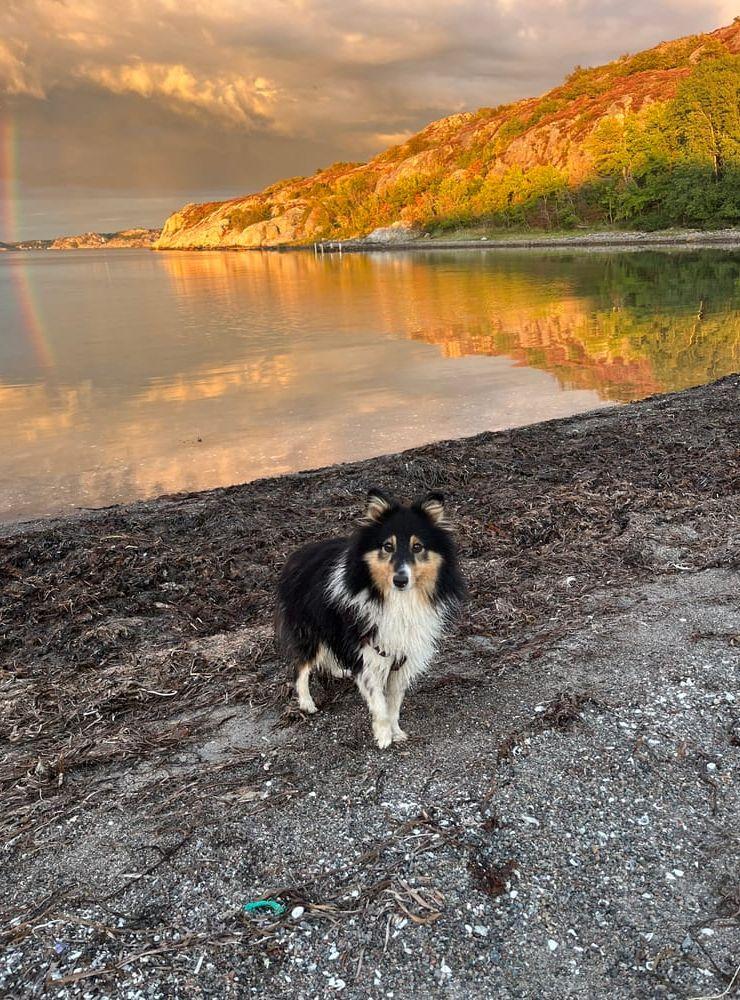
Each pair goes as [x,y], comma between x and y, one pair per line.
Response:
[387,546]
[417,547]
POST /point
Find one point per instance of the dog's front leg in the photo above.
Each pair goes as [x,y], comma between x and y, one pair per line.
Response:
[371,682]
[397,685]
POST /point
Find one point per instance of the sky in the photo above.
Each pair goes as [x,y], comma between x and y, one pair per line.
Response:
[114,114]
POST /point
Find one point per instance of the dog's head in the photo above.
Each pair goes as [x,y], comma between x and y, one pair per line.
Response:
[406,548]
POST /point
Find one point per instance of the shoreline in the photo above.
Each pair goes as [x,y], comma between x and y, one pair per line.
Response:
[576,742]
[689,238]
[164,501]
[698,239]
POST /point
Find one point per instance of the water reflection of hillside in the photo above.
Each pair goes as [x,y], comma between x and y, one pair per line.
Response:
[625,325]
[567,342]
[621,356]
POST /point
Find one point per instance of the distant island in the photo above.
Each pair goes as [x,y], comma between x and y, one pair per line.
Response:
[126,239]
[648,141]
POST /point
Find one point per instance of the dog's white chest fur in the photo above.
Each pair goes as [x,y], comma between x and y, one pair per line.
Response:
[407,626]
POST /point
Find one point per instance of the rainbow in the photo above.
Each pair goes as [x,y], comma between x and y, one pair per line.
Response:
[9,202]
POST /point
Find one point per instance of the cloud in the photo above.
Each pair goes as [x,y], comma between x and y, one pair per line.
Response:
[308,64]
[234,98]
[15,76]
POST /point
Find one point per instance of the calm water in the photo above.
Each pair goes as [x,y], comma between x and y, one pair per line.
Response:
[127,374]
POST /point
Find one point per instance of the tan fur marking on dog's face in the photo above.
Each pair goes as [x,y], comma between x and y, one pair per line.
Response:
[381,567]
[426,570]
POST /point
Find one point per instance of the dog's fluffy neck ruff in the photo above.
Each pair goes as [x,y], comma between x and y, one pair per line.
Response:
[405,622]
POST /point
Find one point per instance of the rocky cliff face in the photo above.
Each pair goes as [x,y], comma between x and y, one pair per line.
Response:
[552,131]
[126,239]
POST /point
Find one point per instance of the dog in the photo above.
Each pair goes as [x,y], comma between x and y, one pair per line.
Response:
[372,606]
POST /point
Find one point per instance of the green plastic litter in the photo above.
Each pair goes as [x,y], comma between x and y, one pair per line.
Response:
[265,904]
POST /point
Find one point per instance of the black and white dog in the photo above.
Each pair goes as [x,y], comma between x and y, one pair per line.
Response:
[372,606]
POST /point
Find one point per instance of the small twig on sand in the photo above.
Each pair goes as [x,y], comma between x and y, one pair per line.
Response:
[724,993]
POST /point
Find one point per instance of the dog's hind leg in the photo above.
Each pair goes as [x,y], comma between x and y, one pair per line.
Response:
[305,701]
[371,684]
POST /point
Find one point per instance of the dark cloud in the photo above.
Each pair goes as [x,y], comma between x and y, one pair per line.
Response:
[192,99]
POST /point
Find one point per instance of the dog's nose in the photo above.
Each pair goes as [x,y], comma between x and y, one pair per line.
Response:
[400,579]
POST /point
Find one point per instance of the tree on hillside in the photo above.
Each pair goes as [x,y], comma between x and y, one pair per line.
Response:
[706,112]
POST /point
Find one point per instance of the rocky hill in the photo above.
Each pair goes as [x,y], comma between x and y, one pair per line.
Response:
[652,138]
[26,245]
[126,239]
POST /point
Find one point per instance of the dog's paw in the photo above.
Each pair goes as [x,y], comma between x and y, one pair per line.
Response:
[399,736]
[308,707]
[383,736]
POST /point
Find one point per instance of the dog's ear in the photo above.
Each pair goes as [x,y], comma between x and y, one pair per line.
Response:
[433,505]
[378,505]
